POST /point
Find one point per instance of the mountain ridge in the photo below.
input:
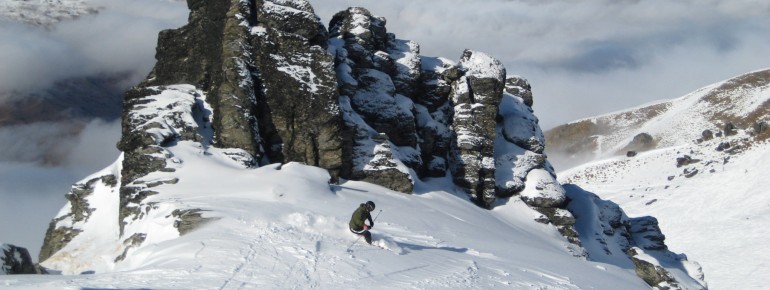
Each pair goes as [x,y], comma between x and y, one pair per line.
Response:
[739,102]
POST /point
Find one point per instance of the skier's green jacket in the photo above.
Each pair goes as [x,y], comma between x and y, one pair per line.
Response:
[359,216]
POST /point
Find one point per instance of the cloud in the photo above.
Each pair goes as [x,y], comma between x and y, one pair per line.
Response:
[94,148]
[39,161]
[30,196]
[589,57]
[121,37]
[75,146]
[38,164]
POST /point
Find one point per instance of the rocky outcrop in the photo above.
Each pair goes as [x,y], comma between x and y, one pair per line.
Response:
[65,227]
[357,100]
[651,272]
[297,96]
[475,98]
[267,75]
[381,134]
[270,95]
[607,233]
[16,260]
[156,117]
[641,142]
[262,81]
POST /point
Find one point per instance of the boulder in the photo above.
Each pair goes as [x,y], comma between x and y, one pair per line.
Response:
[16,260]
[707,135]
[730,129]
[685,160]
[652,274]
[723,146]
[543,190]
[640,142]
[519,86]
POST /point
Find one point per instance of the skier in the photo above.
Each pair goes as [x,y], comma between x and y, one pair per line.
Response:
[357,224]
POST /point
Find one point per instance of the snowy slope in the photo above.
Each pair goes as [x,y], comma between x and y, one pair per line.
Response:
[742,101]
[720,218]
[287,228]
[710,196]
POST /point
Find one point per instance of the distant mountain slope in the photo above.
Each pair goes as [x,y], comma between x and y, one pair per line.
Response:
[708,189]
[742,102]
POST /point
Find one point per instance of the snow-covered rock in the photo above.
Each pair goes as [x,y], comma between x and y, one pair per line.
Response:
[704,181]
[381,116]
[608,235]
[476,96]
[15,260]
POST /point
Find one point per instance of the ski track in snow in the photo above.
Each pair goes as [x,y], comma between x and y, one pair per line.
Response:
[717,217]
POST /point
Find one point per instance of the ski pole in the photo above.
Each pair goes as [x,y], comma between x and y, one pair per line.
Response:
[351,245]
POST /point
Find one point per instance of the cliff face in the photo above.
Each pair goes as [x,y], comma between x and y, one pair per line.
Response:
[354,100]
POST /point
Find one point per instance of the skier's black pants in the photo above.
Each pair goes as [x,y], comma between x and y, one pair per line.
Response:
[367,235]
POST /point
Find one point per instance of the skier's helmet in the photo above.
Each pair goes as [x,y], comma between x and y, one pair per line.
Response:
[370,205]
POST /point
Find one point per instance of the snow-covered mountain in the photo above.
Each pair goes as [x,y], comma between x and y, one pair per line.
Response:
[737,103]
[702,173]
[258,132]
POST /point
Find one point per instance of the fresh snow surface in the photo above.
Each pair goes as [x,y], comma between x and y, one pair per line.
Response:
[286,227]
[481,65]
[681,120]
[719,217]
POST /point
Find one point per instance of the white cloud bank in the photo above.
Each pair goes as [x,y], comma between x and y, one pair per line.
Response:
[582,58]
[39,161]
[38,164]
[121,37]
